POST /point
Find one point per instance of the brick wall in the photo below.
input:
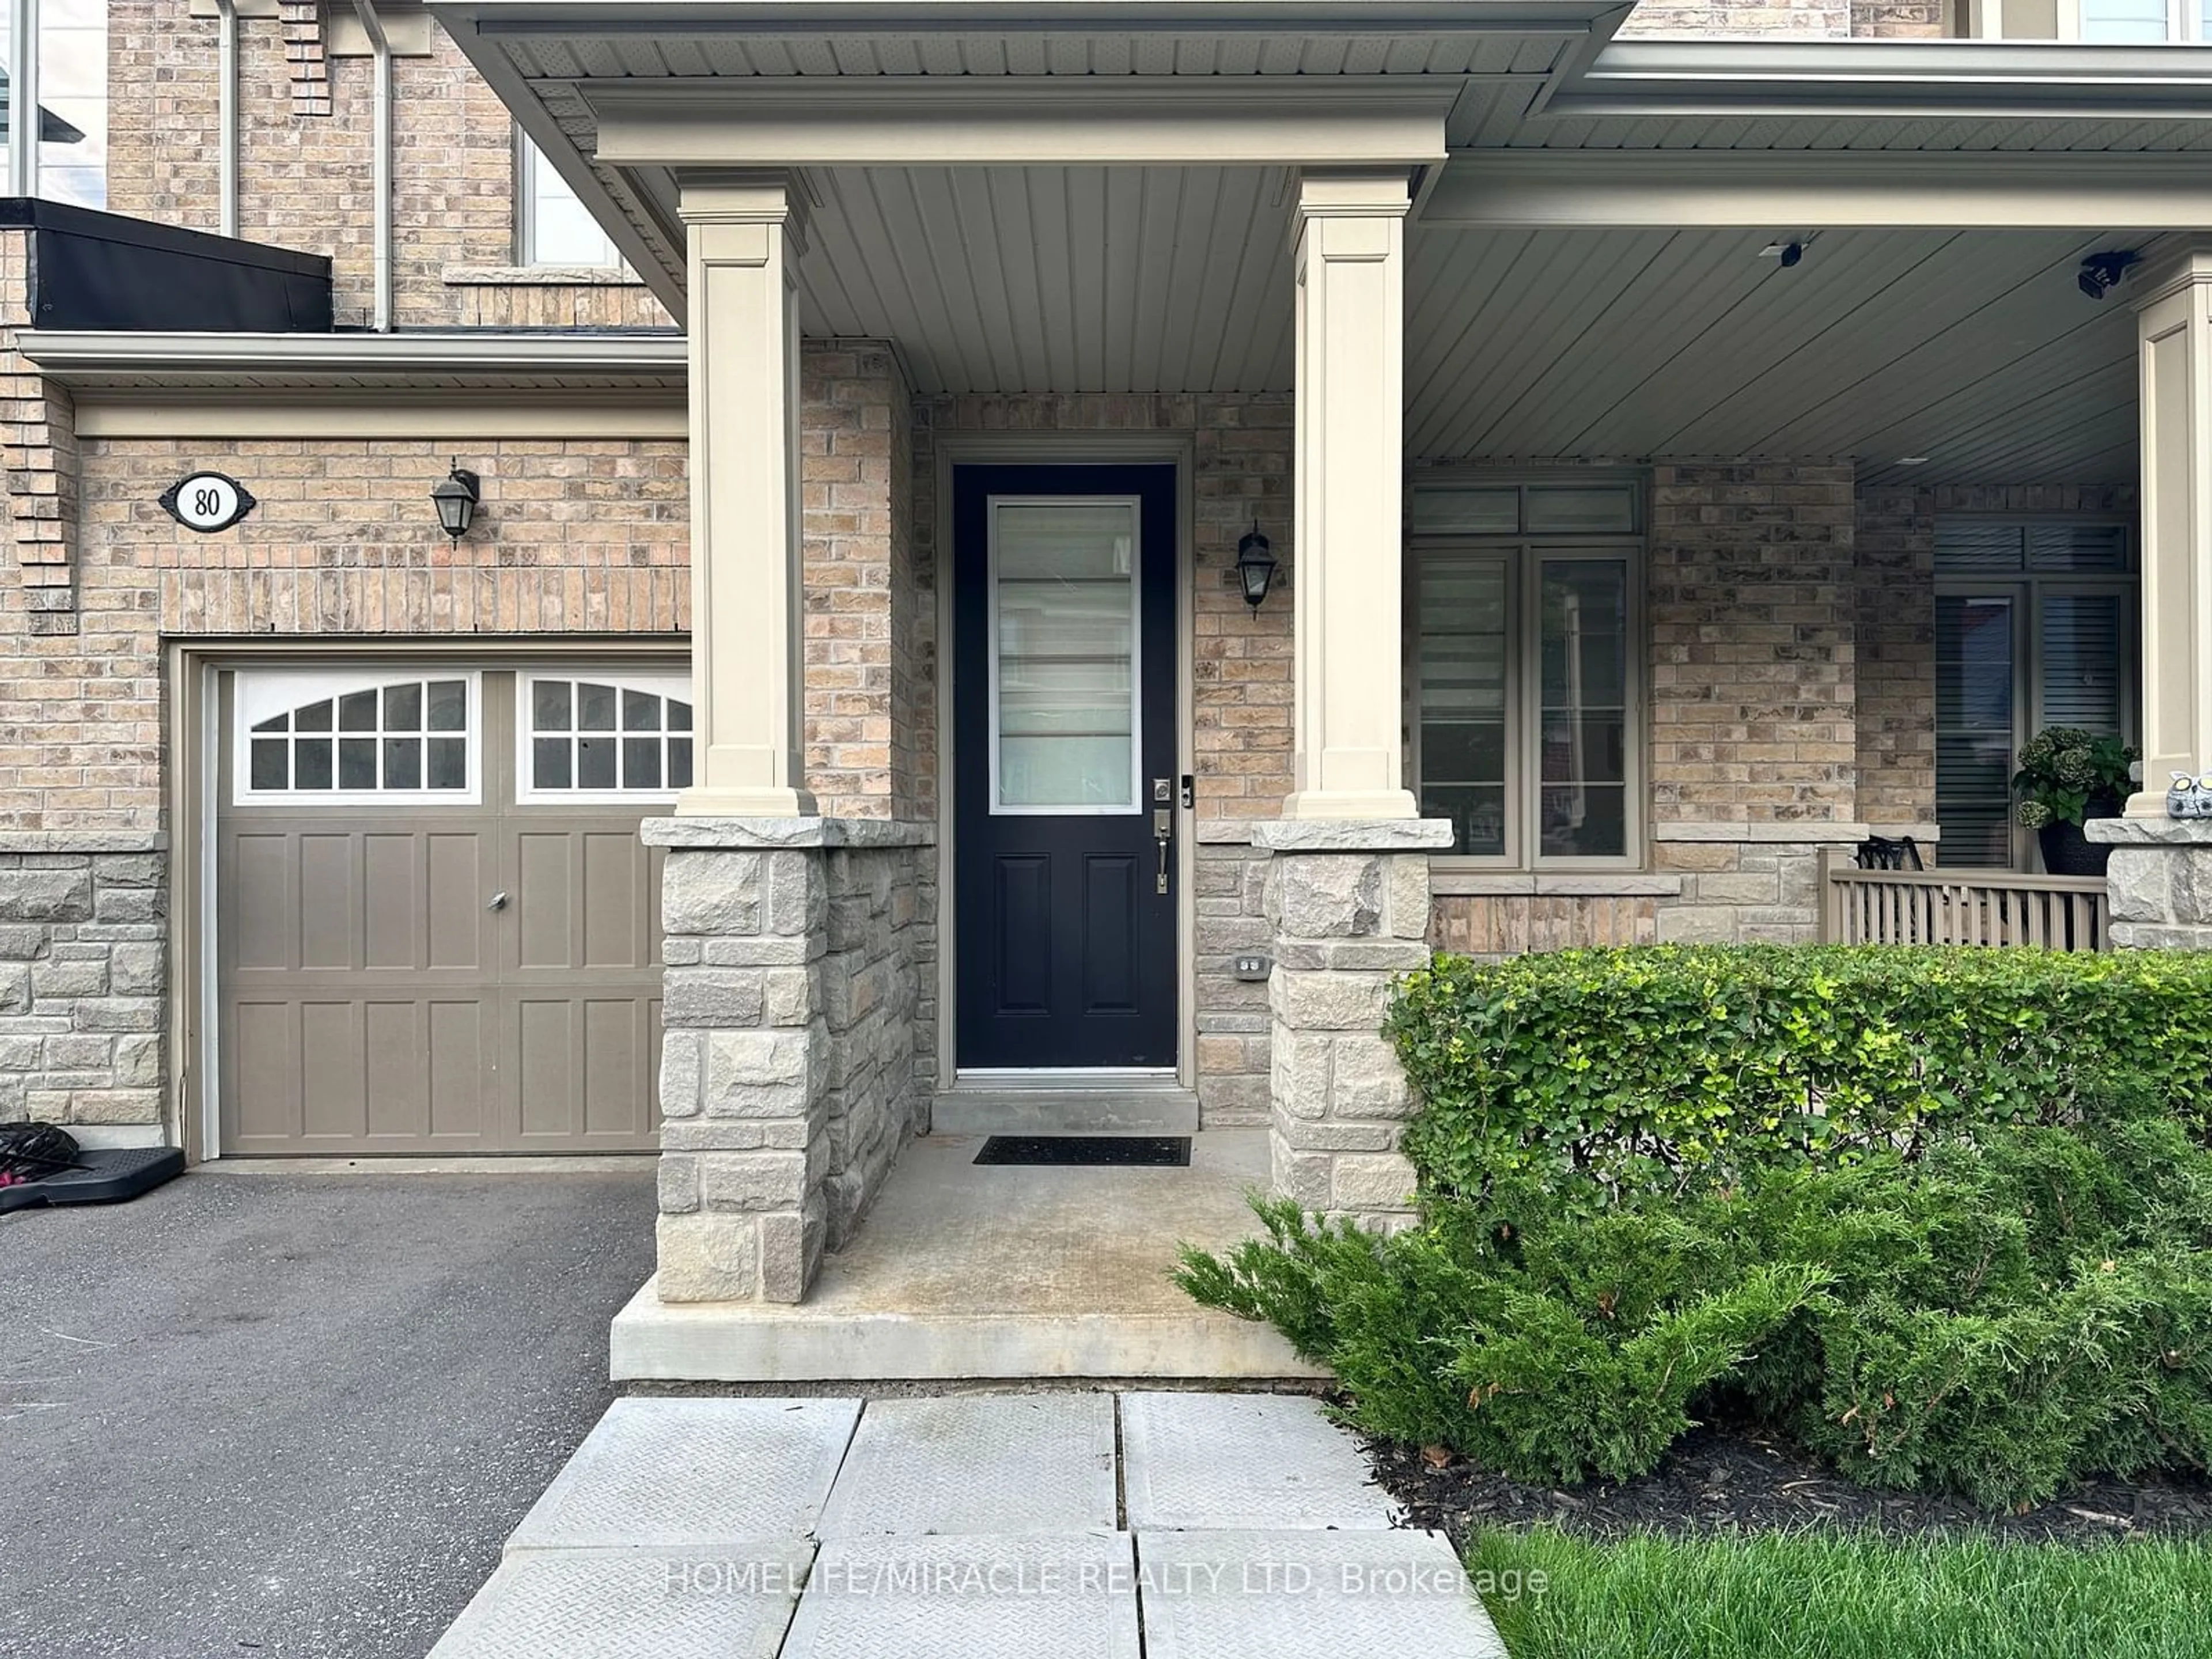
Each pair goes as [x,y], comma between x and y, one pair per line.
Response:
[860,626]
[1896,657]
[1751,622]
[304,165]
[1753,741]
[572,536]
[41,458]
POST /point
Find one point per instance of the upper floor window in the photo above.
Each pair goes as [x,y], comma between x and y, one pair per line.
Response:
[1525,683]
[53,89]
[2098,22]
[556,229]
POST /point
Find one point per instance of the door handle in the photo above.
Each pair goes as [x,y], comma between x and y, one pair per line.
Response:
[1163,831]
[498,902]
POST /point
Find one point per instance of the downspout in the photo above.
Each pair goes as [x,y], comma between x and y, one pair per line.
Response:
[226,103]
[23,102]
[380,169]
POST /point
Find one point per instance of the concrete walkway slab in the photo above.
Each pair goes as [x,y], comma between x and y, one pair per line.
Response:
[985,1463]
[635,1604]
[1070,1596]
[1308,1595]
[675,1474]
[1244,1462]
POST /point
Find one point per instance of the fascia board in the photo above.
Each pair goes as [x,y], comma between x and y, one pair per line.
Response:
[1528,189]
[69,354]
[1896,78]
[1045,120]
[850,18]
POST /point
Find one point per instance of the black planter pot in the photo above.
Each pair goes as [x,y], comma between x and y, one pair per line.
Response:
[2068,852]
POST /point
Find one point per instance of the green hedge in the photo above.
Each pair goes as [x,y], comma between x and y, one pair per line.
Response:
[2004,1317]
[1659,1067]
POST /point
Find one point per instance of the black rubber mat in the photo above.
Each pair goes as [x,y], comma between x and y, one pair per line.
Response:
[109,1174]
[1151,1151]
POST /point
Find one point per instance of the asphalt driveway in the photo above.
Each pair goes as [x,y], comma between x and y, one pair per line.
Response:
[294,1414]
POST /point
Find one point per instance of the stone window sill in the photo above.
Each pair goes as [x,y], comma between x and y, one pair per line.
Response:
[541,277]
[1445,882]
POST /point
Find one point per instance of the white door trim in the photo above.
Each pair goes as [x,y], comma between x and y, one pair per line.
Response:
[1176,449]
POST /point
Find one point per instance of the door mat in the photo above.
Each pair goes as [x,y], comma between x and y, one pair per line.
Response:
[102,1175]
[1151,1152]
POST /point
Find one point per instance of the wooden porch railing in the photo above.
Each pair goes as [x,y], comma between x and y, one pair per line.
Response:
[1961,907]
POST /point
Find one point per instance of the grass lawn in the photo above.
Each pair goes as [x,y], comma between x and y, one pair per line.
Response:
[1825,1595]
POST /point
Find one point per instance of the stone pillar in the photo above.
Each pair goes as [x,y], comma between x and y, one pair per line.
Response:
[747,652]
[2174,325]
[1350,253]
[1349,904]
[2159,881]
[786,1074]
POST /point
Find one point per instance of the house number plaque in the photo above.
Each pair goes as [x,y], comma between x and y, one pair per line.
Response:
[207,502]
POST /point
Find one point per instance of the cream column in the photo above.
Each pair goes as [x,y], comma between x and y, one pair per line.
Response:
[2175,321]
[1350,252]
[745,233]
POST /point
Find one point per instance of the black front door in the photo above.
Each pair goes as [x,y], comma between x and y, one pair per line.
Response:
[1063,678]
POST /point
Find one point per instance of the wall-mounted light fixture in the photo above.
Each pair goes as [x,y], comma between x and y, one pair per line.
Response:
[1255,566]
[455,496]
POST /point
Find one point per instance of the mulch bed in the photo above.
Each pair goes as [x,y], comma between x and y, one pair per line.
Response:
[1723,1481]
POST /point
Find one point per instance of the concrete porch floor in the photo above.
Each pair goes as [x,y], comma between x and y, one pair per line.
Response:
[961,1270]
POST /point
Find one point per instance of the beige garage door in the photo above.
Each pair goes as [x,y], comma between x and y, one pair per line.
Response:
[437,931]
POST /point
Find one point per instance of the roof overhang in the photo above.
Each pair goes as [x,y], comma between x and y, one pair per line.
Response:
[2031,79]
[623,95]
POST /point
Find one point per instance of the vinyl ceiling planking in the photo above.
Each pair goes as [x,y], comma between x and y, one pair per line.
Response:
[1058,279]
[1976,349]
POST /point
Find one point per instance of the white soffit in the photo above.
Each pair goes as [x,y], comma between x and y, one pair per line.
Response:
[1058,279]
[1974,348]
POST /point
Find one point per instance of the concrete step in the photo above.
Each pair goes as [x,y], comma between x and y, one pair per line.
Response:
[968,1270]
[1065,1112]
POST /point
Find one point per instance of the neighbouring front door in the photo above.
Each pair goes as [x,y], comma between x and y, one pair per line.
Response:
[1064,699]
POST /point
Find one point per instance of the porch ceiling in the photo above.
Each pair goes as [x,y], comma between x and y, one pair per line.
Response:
[1975,349]
[1058,279]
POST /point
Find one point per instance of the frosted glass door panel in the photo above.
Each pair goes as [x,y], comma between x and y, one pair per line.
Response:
[1064,656]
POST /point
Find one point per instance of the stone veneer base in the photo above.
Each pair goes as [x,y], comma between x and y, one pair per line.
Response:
[2159,882]
[1348,903]
[790,1058]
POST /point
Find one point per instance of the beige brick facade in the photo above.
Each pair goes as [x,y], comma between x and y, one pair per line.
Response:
[304,167]
[574,537]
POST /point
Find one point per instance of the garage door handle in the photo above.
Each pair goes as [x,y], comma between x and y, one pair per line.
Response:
[498,902]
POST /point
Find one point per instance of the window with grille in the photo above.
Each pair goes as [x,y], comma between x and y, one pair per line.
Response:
[589,737]
[310,737]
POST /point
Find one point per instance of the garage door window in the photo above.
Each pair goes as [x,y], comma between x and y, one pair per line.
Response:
[604,739]
[318,736]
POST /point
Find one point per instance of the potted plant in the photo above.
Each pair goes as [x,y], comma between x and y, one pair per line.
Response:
[2067,777]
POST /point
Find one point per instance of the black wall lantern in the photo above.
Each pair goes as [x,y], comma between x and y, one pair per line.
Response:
[456,497]
[1255,566]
